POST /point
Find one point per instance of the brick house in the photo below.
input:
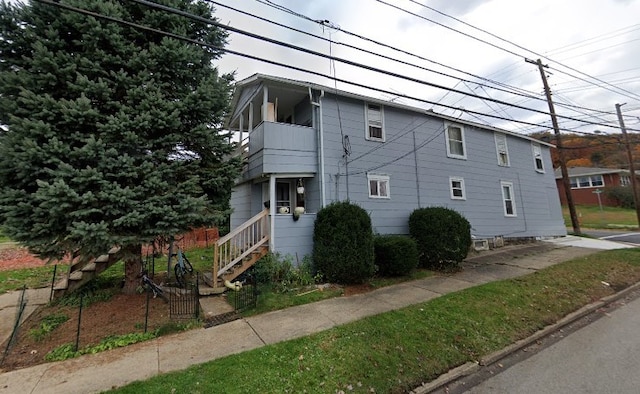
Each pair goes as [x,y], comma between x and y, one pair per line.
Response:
[588,182]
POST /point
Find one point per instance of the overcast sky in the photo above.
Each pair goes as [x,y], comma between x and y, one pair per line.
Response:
[594,38]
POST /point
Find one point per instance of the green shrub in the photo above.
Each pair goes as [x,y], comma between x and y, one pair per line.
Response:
[280,272]
[396,255]
[622,195]
[443,236]
[67,350]
[343,243]
[47,325]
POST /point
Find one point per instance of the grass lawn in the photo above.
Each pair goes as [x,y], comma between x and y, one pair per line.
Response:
[607,218]
[30,277]
[396,351]
[4,238]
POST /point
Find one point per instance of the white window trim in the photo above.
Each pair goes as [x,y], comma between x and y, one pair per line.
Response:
[500,136]
[591,185]
[462,188]
[378,178]
[463,156]
[536,149]
[504,184]
[366,122]
[625,180]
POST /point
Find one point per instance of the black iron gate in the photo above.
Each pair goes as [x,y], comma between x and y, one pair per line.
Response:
[247,296]
[183,302]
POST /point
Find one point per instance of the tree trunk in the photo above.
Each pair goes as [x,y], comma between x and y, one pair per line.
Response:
[132,269]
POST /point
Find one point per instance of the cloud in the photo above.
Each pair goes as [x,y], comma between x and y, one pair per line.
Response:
[459,8]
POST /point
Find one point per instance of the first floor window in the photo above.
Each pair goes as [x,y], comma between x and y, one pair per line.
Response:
[378,186]
[507,198]
[587,181]
[283,197]
[457,188]
[625,180]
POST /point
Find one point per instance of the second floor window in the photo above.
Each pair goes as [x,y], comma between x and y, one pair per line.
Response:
[501,150]
[375,122]
[537,157]
[455,142]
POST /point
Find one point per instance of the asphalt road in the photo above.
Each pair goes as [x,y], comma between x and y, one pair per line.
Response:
[601,357]
[631,237]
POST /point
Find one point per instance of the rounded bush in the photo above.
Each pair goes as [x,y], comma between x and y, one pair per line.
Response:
[343,243]
[443,236]
[396,255]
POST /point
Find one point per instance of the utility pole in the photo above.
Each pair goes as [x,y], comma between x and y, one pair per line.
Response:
[563,163]
[632,170]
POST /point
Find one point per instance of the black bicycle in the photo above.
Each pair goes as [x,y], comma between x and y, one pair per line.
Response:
[151,286]
[182,268]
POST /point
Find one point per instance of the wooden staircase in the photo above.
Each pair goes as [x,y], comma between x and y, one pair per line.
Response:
[238,251]
[82,272]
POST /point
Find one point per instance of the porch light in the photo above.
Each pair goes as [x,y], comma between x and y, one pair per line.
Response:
[300,187]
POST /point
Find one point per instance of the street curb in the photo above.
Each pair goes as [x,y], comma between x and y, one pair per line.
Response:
[472,367]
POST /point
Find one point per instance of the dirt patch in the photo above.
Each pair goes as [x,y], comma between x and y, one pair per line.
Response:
[122,314]
[357,289]
[15,258]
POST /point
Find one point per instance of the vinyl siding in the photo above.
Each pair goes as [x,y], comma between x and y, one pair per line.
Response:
[537,206]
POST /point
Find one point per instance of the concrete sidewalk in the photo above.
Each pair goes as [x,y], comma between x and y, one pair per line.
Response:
[104,371]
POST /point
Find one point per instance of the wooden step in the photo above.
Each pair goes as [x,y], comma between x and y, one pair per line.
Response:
[91,267]
[61,285]
[76,275]
[103,258]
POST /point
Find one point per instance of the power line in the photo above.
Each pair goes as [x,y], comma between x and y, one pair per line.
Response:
[268,61]
[319,54]
[513,90]
[379,43]
[628,93]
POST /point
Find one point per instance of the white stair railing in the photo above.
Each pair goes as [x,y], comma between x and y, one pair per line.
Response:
[239,243]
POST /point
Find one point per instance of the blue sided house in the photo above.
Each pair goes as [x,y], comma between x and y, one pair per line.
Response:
[306,146]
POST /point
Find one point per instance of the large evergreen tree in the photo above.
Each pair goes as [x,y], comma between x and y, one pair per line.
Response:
[111,134]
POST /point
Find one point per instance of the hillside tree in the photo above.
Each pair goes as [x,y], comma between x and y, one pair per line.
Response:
[111,135]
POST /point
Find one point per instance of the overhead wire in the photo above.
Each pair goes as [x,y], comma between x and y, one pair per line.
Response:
[626,92]
[387,46]
[525,94]
[268,61]
[393,59]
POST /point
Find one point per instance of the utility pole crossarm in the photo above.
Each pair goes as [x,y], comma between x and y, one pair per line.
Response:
[563,164]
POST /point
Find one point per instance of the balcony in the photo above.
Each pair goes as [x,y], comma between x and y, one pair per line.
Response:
[281,148]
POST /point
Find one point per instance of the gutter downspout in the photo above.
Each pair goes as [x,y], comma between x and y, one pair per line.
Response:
[320,144]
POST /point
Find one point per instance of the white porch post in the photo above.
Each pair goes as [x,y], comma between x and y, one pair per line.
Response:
[241,126]
[272,211]
[265,103]
[250,128]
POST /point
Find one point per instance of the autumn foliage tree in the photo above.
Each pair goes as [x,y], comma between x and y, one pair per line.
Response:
[111,133]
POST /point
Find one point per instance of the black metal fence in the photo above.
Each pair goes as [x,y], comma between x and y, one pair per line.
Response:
[184,302]
[22,304]
[247,296]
